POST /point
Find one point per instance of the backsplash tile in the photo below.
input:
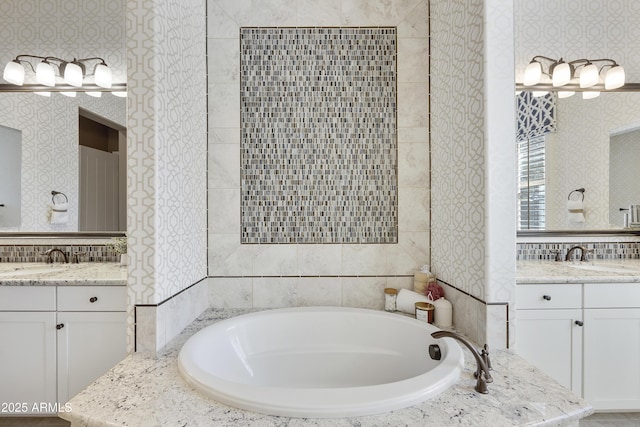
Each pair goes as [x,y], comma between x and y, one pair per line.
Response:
[34,253]
[602,250]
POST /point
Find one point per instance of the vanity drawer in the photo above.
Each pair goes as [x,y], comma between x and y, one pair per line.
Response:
[612,295]
[27,298]
[537,296]
[92,298]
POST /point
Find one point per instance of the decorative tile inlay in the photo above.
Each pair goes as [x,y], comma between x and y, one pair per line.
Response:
[318,135]
[601,250]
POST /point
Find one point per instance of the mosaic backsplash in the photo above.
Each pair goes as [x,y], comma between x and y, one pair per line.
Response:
[35,253]
[601,250]
[318,135]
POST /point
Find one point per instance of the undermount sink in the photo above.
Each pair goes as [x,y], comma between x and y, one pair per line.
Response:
[615,268]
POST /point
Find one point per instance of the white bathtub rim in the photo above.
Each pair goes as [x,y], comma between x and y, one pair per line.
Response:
[327,402]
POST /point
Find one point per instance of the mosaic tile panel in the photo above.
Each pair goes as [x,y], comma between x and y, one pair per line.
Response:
[318,135]
[601,250]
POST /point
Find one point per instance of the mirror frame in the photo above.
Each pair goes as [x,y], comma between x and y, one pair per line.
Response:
[628,87]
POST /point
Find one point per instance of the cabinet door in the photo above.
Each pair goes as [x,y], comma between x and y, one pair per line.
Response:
[89,344]
[27,361]
[551,340]
[612,358]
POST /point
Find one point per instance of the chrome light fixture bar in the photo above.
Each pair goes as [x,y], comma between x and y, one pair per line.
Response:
[49,68]
[584,73]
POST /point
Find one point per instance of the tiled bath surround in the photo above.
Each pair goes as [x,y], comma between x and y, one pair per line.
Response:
[318,135]
[287,274]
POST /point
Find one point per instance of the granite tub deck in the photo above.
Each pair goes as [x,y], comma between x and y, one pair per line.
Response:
[59,274]
[148,391]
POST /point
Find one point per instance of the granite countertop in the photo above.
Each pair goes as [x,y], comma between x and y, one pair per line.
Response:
[599,271]
[148,391]
[41,274]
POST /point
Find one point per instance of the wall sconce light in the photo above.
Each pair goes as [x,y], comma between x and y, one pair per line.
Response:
[585,71]
[72,72]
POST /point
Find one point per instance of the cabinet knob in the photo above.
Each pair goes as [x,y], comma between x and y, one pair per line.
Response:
[579,322]
[60,326]
[546,297]
[93,299]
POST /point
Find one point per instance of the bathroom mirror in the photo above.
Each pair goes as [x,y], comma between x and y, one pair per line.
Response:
[583,153]
[50,125]
[53,155]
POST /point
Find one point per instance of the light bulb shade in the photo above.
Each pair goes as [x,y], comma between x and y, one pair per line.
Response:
[539,93]
[561,74]
[589,76]
[45,74]
[614,77]
[14,73]
[590,94]
[45,94]
[73,74]
[565,93]
[103,77]
[119,94]
[94,94]
[69,94]
[532,74]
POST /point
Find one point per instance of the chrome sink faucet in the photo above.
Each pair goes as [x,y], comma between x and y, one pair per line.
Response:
[50,253]
[482,360]
[583,253]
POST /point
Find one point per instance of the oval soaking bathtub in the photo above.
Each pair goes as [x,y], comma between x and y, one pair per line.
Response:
[319,362]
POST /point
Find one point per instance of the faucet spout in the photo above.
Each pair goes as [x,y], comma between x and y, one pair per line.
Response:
[50,253]
[482,371]
[583,253]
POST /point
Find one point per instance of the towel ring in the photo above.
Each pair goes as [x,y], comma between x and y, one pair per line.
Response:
[579,190]
[57,193]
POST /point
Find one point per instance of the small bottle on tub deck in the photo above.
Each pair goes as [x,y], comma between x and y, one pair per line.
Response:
[390,297]
[425,312]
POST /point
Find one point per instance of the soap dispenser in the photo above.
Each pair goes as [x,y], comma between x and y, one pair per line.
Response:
[443,313]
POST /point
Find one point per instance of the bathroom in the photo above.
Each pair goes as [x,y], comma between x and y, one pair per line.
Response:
[455,184]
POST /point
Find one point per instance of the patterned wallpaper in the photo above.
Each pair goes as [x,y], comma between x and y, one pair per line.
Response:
[167,169]
[228,257]
[473,179]
[602,29]
[318,143]
[75,28]
[457,145]
[167,147]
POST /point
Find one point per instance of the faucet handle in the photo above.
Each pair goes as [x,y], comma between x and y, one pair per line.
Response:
[586,253]
[558,257]
[76,257]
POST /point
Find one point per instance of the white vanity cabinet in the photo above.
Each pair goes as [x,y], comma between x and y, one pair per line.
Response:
[548,330]
[56,340]
[91,326]
[586,336]
[27,348]
[612,346]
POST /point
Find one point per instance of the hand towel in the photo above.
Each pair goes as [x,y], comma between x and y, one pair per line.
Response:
[59,214]
[576,210]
